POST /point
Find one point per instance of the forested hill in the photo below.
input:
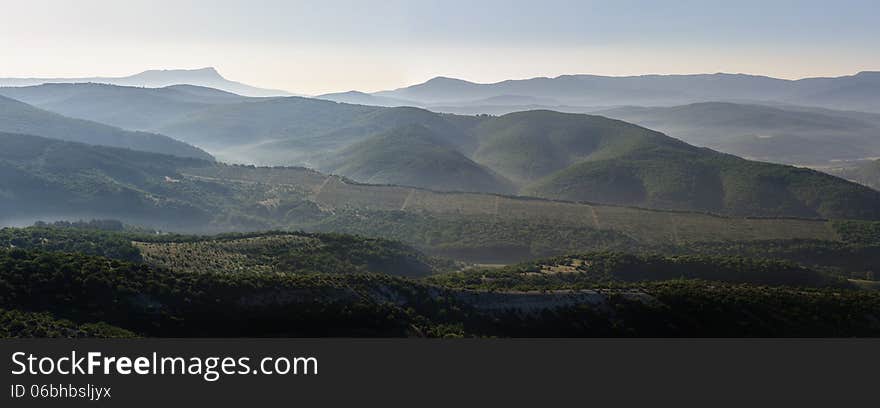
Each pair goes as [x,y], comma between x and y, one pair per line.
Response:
[591,158]
[50,179]
[82,295]
[18,117]
[415,155]
[43,177]
[543,153]
[536,153]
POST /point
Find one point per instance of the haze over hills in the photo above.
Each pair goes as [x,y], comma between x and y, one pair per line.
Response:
[123,106]
[297,131]
[539,153]
[856,92]
[48,179]
[205,77]
[591,158]
[361,98]
[783,134]
[414,155]
[526,148]
[403,197]
[18,117]
[769,131]
[867,173]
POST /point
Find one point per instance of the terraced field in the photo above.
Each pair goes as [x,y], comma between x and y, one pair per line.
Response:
[333,193]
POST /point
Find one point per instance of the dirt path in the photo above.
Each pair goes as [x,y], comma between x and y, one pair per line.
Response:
[321,188]
[409,196]
[595,217]
[674,225]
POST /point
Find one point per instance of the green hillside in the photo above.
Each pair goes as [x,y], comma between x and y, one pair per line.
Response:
[414,156]
[47,177]
[287,252]
[557,156]
[543,153]
[263,252]
[527,146]
[18,324]
[491,228]
[44,178]
[709,181]
[604,268]
[591,158]
[102,297]
[18,117]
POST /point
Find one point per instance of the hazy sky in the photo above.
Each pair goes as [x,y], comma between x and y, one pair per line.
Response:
[335,45]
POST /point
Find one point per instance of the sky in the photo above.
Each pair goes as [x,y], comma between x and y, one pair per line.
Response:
[314,47]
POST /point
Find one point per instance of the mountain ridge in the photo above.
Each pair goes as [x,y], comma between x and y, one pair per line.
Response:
[779,134]
[159,78]
[19,117]
[653,89]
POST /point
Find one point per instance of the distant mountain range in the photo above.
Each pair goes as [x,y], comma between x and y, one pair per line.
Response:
[575,92]
[780,134]
[205,77]
[124,106]
[538,153]
[361,98]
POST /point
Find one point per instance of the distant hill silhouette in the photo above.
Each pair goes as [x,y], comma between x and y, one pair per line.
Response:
[207,77]
[777,134]
[124,106]
[361,98]
[855,92]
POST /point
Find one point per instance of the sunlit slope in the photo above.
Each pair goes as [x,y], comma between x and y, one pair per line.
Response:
[591,158]
[415,156]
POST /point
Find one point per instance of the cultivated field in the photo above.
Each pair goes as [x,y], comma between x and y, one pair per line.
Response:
[643,225]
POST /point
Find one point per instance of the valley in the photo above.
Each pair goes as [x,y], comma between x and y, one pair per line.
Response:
[355,220]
